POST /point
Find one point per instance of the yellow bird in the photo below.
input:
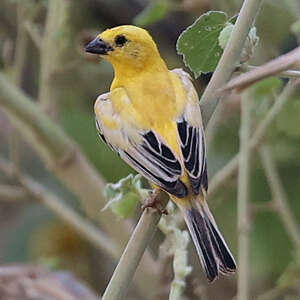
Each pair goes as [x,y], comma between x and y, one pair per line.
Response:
[151,118]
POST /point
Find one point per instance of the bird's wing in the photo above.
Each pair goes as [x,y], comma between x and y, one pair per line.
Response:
[144,150]
[191,136]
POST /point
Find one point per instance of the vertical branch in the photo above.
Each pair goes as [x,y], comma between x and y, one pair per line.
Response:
[21,44]
[230,57]
[21,49]
[243,197]
[56,41]
[139,240]
[279,196]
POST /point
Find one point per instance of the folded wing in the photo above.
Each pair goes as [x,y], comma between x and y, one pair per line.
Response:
[144,150]
[191,136]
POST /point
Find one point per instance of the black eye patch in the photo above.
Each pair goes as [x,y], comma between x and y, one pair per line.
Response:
[120,40]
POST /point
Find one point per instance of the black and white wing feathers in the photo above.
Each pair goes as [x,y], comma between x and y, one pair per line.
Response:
[145,151]
[191,136]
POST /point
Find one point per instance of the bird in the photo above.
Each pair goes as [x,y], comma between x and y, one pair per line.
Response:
[151,117]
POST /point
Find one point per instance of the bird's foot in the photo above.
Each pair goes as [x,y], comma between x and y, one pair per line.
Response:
[153,202]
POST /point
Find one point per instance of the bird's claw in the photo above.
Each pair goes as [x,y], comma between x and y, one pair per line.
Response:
[152,202]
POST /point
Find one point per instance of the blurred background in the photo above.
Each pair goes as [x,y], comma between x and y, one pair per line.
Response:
[41,52]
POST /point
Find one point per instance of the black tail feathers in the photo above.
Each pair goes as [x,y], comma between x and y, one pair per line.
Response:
[213,252]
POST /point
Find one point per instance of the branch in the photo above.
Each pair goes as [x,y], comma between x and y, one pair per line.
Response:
[279,196]
[231,167]
[283,74]
[273,67]
[34,34]
[243,198]
[55,51]
[139,240]
[230,58]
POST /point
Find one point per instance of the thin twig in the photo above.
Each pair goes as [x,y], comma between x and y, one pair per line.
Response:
[55,51]
[243,198]
[273,67]
[279,196]
[283,74]
[231,167]
[139,240]
[230,57]
[34,34]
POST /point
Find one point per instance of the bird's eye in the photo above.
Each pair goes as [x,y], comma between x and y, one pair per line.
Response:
[120,40]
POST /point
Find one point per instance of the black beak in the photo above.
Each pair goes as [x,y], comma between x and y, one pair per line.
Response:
[98,46]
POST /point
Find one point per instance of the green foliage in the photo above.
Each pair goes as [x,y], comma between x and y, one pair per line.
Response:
[202,43]
[199,43]
[124,195]
[154,12]
[288,121]
[262,94]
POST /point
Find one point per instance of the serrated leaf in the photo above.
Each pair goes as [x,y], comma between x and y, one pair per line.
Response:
[199,43]
[154,12]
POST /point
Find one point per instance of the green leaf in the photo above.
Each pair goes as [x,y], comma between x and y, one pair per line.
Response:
[124,195]
[199,43]
[154,12]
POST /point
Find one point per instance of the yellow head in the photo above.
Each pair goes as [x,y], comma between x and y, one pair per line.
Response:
[125,45]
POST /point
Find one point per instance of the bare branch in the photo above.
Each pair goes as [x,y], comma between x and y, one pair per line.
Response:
[139,240]
[273,67]
[55,51]
[243,199]
[279,196]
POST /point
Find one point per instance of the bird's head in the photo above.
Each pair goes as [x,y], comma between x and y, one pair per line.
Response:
[126,45]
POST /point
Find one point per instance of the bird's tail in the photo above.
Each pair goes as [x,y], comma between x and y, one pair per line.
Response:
[211,247]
